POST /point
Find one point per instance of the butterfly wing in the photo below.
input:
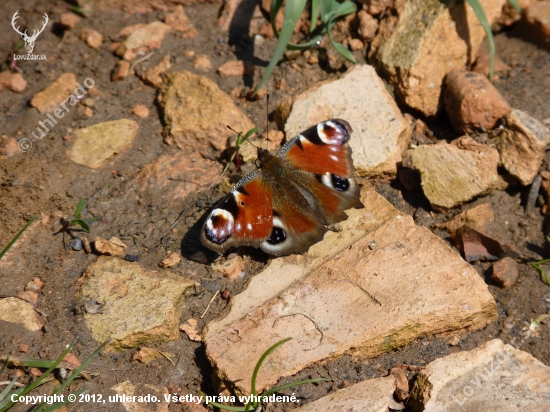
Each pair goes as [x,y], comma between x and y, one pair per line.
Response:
[320,161]
[242,218]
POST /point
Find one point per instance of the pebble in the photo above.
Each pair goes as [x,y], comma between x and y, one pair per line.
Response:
[76,243]
[131,258]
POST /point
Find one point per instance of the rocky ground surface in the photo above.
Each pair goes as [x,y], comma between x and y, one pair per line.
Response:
[425,299]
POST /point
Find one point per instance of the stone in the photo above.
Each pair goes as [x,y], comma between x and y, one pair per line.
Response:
[29,296]
[142,40]
[367,26]
[478,246]
[93,38]
[236,68]
[141,111]
[372,395]
[172,260]
[108,247]
[190,328]
[483,63]
[179,21]
[173,177]
[140,306]
[197,112]
[522,146]
[355,44]
[495,375]
[453,174]
[52,96]
[153,77]
[477,217]
[68,20]
[375,7]
[510,15]
[505,272]
[232,267]
[72,359]
[8,147]
[202,62]
[340,298]
[360,97]
[94,145]
[121,71]
[14,310]
[472,102]
[537,17]
[419,52]
[12,81]
[146,355]
[127,391]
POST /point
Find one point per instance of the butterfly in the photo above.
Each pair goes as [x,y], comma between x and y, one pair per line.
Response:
[285,205]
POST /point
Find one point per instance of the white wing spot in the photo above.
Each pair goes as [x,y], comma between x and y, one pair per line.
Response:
[249,226]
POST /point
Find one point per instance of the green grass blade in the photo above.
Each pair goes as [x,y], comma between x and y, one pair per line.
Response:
[82,224]
[293,11]
[480,13]
[3,252]
[340,48]
[515,4]
[314,15]
[58,405]
[5,365]
[79,208]
[275,7]
[8,388]
[27,388]
[543,275]
[241,139]
[261,360]
[292,384]
[81,368]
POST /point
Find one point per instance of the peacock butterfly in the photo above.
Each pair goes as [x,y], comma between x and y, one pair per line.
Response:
[285,206]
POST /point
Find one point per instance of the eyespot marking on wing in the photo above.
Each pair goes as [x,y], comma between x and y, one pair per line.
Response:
[219,226]
[332,133]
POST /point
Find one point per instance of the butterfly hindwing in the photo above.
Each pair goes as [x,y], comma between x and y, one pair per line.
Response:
[243,218]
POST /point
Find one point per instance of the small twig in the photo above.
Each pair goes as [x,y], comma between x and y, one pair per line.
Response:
[533,194]
[134,64]
[209,303]
[166,356]
[19,385]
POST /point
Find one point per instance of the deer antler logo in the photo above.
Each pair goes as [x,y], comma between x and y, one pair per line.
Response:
[29,40]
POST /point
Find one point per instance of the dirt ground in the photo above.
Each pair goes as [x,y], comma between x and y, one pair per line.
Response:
[45,181]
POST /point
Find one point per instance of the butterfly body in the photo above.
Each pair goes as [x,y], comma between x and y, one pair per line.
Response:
[286,205]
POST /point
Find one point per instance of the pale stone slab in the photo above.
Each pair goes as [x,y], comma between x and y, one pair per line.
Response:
[139,306]
[280,273]
[52,96]
[94,145]
[380,132]
[494,377]
[393,285]
[421,51]
[373,395]
[453,174]
[197,112]
[14,310]
[522,145]
[143,39]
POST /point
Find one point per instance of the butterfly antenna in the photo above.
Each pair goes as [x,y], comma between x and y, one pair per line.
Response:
[267,121]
